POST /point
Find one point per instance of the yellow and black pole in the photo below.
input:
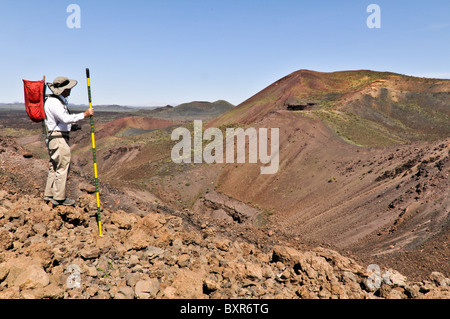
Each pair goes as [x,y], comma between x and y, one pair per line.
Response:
[99,221]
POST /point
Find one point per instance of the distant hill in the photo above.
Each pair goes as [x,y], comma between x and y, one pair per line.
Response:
[364,107]
[12,106]
[197,110]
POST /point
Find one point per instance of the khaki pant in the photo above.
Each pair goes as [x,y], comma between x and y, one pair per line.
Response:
[59,151]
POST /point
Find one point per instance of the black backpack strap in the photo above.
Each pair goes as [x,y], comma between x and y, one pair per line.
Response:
[59,98]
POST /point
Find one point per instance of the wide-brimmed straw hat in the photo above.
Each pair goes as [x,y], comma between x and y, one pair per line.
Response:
[60,84]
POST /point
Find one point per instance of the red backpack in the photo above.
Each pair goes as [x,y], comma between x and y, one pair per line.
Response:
[34,99]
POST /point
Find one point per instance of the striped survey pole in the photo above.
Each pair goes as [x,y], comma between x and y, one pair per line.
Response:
[99,221]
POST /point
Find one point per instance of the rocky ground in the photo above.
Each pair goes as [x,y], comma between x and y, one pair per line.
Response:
[56,252]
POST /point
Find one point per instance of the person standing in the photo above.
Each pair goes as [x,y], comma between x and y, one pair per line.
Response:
[59,123]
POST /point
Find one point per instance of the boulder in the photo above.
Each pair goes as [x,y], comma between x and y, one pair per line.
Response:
[89,253]
[32,277]
[439,279]
[183,260]
[253,271]
[125,292]
[52,291]
[285,254]
[153,252]
[123,219]
[6,239]
[188,284]
[138,240]
[145,289]
[394,278]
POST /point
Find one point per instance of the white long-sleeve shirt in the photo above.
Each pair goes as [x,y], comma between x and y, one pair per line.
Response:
[57,115]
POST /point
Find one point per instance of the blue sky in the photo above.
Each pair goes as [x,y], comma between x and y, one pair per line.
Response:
[172,51]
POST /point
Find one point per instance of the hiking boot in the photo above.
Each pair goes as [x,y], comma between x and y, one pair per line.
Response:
[48,199]
[65,202]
